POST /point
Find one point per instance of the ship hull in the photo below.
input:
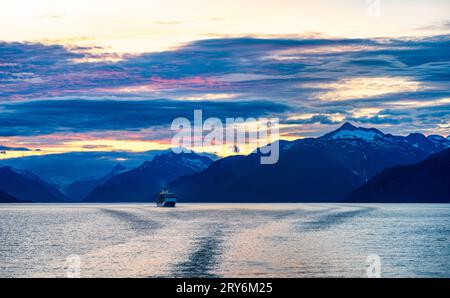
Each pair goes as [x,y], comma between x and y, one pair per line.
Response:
[166,204]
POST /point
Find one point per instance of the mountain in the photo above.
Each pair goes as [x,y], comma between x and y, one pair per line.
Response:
[65,168]
[420,141]
[440,142]
[425,182]
[314,169]
[144,182]
[296,176]
[78,190]
[26,186]
[367,151]
[6,198]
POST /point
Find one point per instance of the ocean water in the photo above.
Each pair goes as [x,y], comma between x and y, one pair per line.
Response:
[224,240]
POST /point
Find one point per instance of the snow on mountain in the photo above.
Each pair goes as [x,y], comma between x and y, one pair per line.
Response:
[439,141]
[144,182]
[194,163]
[360,134]
[349,131]
[312,169]
[350,135]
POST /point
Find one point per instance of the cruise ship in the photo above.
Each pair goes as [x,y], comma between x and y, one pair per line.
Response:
[166,199]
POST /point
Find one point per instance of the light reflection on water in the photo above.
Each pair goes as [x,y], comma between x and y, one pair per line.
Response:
[225,240]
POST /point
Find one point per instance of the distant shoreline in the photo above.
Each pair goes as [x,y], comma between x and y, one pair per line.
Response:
[227,202]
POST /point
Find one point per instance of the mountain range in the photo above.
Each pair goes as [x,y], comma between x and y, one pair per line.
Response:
[63,169]
[343,165]
[322,169]
[146,181]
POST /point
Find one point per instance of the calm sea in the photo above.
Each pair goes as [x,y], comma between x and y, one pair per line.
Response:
[224,240]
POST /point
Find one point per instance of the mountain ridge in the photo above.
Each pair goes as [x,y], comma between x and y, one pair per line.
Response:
[322,169]
[425,182]
[78,190]
[353,156]
[27,186]
[144,182]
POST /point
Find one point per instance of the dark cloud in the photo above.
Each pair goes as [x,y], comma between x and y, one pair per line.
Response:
[381,120]
[50,116]
[268,76]
[322,119]
[414,53]
[4,148]
[31,70]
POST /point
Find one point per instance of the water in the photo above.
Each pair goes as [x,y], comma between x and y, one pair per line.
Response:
[224,240]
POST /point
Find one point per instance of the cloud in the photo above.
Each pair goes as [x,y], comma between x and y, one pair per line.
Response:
[437,26]
[322,119]
[249,76]
[244,65]
[62,116]
[367,87]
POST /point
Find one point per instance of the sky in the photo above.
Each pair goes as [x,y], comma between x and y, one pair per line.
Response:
[112,75]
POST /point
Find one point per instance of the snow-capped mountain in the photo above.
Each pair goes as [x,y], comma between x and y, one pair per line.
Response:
[368,150]
[314,169]
[144,182]
[65,168]
[348,131]
[439,141]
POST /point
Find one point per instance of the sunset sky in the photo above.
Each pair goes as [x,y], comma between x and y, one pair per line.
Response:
[112,75]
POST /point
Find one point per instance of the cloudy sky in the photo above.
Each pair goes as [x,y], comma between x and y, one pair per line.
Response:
[109,75]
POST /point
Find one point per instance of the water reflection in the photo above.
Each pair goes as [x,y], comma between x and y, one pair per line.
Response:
[230,240]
